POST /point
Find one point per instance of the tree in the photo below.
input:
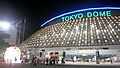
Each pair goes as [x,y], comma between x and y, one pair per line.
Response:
[3,44]
[4,35]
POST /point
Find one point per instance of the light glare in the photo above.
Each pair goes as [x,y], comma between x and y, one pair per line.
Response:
[4,25]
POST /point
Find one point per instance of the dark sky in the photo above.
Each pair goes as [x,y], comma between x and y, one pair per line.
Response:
[39,11]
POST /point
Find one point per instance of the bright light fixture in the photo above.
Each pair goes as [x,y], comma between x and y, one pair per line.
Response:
[4,25]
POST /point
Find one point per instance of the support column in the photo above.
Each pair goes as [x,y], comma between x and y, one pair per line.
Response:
[94,58]
[74,58]
[63,59]
[60,59]
[97,57]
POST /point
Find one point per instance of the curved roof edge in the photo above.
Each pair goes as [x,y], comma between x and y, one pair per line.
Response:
[100,8]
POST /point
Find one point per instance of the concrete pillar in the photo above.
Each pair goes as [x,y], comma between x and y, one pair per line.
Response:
[97,57]
[60,59]
[94,58]
[74,58]
[117,57]
[81,59]
[114,58]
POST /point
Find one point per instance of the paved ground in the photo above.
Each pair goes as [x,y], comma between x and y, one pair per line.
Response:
[3,65]
[93,63]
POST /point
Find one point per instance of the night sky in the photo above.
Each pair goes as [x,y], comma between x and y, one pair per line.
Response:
[39,11]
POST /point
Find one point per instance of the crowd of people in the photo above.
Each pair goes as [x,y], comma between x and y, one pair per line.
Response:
[1,59]
[35,61]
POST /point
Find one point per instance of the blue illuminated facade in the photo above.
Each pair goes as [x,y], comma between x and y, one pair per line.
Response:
[86,27]
[82,10]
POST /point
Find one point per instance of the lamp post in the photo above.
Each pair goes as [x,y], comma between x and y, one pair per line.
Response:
[4,26]
[20,32]
[18,36]
[9,29]
[24,30]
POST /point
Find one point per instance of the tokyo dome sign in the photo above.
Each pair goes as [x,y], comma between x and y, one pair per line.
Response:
[84,13]
[87,14]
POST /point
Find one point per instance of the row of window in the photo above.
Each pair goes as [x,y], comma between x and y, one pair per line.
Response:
[85,31]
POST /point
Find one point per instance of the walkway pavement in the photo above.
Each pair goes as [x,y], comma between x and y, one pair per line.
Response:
[67,65]
[92,63]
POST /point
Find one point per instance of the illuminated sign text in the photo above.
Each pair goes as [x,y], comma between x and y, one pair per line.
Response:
[88,14]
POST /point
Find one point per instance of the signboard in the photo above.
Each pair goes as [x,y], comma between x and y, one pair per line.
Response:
[87,14]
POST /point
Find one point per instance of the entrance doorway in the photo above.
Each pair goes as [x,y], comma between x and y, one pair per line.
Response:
[107,59]
[85,58]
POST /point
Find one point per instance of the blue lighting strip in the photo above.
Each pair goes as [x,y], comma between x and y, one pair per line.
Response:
[78,11]
[107,55]
[89,55]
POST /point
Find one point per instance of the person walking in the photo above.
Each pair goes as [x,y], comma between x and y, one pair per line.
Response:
[63,62]
[47,61]
[53,60]
[32,61]
[73,60]
[50,60]
[111,61]
[35,62]
[57,60]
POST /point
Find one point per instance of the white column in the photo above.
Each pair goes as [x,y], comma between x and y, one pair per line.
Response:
[60,58]
[74,58]
[94,58]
